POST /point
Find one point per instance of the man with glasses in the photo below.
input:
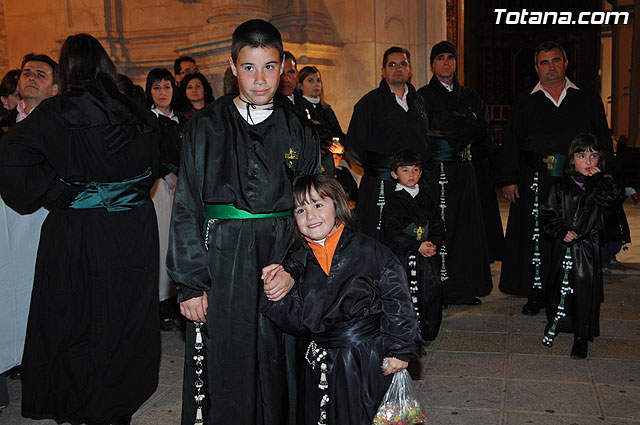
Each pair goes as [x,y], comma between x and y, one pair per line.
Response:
[387,119]
[184,65]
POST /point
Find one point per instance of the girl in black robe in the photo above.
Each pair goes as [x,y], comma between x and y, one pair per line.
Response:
[89,155]
[352,297]
[572,216]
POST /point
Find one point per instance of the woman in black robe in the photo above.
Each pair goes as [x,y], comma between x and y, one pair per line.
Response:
[90,155]
[322,116]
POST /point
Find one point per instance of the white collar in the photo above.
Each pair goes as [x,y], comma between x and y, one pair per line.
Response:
[403,102]
[171,116]
[292,99]
[568,84]
[314,100]
[254,116]
[449,87]
[413,192]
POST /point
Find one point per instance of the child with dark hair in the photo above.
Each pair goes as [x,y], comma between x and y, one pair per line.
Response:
[231,217]
[413,230]
[353,300]
[573,216]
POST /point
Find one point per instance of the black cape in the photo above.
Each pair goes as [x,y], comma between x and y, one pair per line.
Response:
[568,207]
[250,372]
[537,128]
[365,280]
[402,218]
[460,118]
[379,128]
[92,350]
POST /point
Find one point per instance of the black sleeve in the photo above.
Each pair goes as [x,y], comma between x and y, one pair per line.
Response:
[399,324]
[187,258]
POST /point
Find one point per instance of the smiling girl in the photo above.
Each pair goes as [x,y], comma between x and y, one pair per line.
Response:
[353,299]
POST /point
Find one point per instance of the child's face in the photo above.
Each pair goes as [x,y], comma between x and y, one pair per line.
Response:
[316,218]
[258,70]
[408,175]
[584,161]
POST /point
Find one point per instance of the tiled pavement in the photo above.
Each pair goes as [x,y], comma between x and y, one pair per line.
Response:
[488,365]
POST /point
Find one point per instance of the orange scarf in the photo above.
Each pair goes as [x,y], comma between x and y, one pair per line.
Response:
[324,254]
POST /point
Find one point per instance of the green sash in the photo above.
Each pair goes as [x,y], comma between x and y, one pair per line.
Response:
[229,212]
[114,196]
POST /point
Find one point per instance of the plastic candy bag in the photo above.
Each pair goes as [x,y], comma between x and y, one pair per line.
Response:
[399,406]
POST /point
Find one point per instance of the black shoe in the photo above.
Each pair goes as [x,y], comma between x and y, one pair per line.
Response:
[15,373]
[531,308]
[445,306]
[170,325]
[476,301]
[580,348]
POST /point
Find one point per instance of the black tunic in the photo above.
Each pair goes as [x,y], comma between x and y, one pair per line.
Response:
[379,128]
[92,349]
[248,378]
[537,128]
[568,207]
[365,280]
[401,216]
[457,119]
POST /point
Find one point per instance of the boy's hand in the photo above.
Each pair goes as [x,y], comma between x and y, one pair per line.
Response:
[571,235]
[427,249]
[277,282]
[393,365]
[195,309]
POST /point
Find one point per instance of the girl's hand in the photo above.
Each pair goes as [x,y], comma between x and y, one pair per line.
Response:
[393,365]
[592,171]
[571,235]
[195,309]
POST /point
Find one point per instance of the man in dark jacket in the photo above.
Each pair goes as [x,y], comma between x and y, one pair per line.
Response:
[385,120]
[458,119]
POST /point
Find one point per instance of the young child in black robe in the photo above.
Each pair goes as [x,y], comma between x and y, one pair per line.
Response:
[413,230]
[573,216]
[352,298]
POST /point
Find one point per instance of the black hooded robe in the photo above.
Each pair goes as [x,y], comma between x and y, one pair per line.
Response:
[457,119]
[568,207]
[249,374]
[92,349]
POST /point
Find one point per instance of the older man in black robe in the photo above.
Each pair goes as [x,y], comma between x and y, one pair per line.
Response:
[540,130]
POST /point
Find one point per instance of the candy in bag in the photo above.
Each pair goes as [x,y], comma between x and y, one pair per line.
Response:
[399,406]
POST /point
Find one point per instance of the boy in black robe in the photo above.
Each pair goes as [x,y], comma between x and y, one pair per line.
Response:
[231,217]
[413,231]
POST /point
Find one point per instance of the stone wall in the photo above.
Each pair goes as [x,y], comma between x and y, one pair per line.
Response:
[345,39]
